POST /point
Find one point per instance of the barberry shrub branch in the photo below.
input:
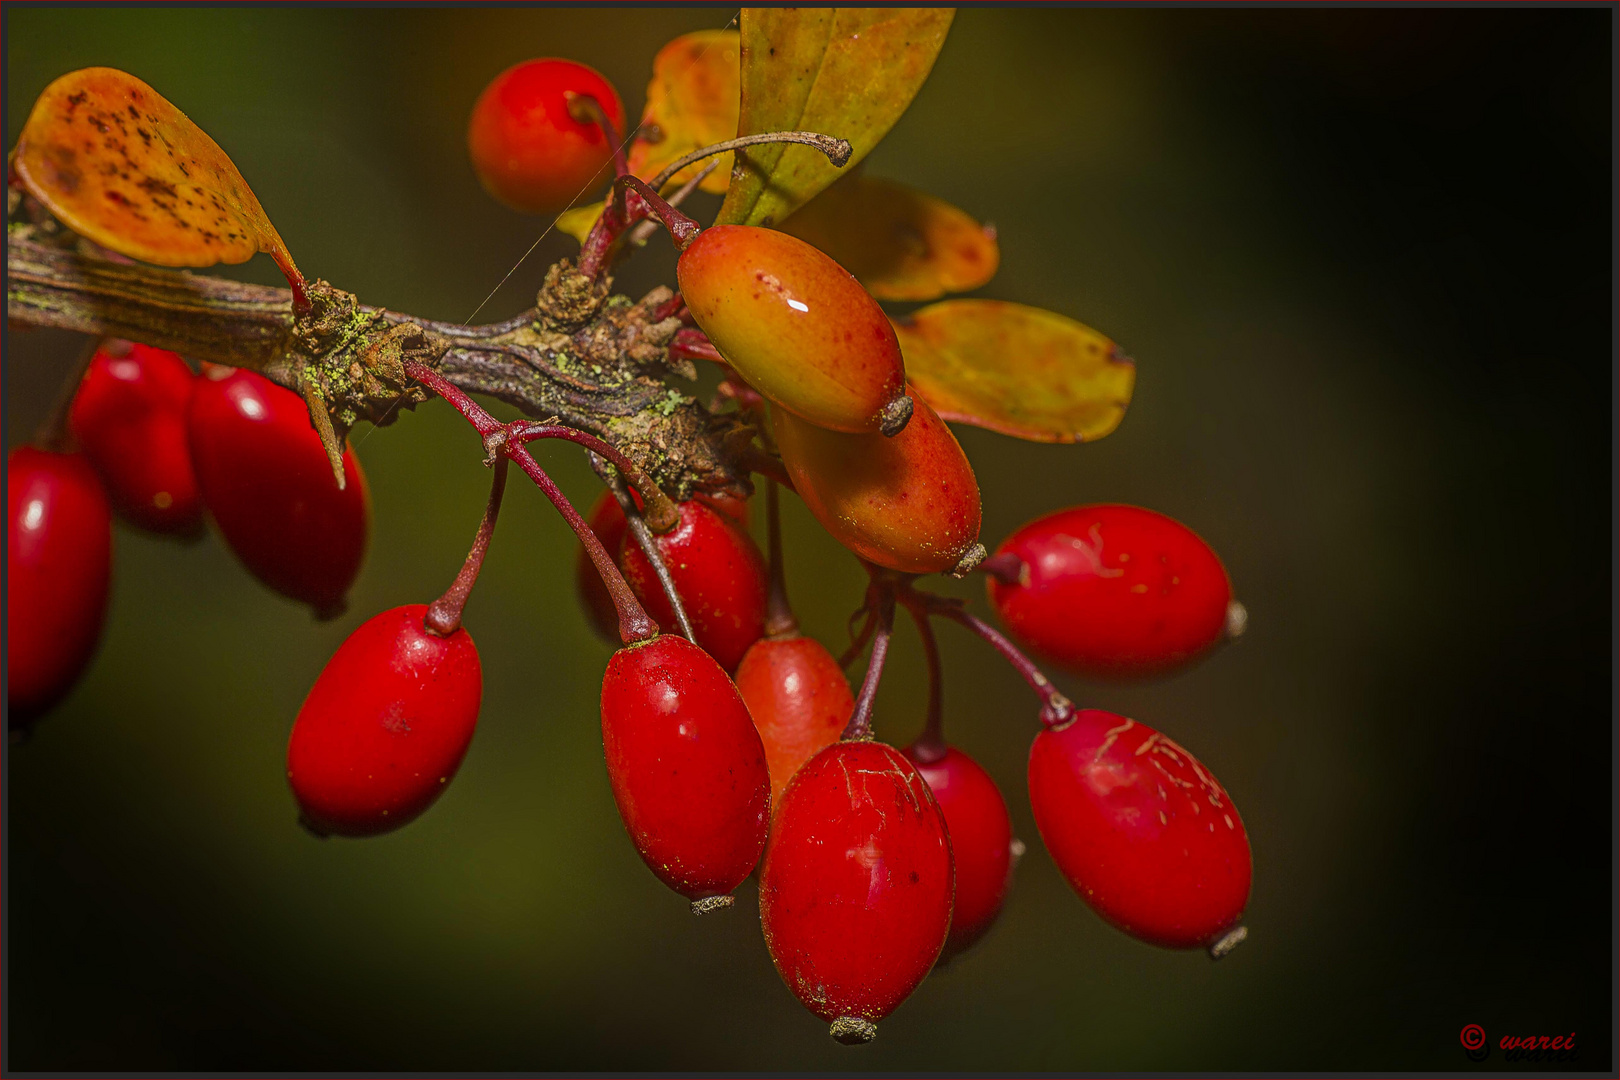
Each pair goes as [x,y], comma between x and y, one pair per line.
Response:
[593,359]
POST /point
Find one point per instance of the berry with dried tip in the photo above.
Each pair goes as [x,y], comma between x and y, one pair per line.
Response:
[1142,831]
[686,767]
[797,326]
[530,150]
[385,726]
[982,841]
[58,564]
[1113,591]
[910,503]
[129,418]
[719,573]
[855,890]
[269,487]
[799,699]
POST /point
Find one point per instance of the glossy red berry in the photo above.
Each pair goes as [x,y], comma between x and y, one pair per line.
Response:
[1142,831]
[797,326]
[385,726]
[720,575]
[855,891]
[686,767]
[799,699]
[269,487]
[58,563]
[129,418]
[607,521]
[981,839]
[1113,591]
[528,150]
[910,503]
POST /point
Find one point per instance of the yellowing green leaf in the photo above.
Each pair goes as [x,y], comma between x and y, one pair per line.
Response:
[578,221]
[691,103]
[900,243]
[845,72]
[1018,370]
[120,165]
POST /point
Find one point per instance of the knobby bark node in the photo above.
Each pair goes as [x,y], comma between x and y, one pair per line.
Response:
[594,359]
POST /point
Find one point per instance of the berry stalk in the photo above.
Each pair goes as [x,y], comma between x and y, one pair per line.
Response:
[779,620]
[649,547]
[860,721]
[444,614]
[1056,709]
[930,745]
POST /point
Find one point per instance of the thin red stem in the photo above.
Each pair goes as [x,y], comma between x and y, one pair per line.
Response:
[586,109]
[634,623]
[930,745]
[1006,568]
[648,544]
[779,620]
[1055,708]
[860,721]
[682,229]
[858,639]
[660,511]
[694,345]
[444,614]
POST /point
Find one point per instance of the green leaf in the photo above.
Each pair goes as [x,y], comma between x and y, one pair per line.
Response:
[845,72]
[898,242]
[1018,370]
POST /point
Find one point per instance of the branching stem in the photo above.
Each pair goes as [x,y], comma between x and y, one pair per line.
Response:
[860,721]
[648,544]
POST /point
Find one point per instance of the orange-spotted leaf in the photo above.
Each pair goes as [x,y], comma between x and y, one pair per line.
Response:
[691,103]
[844,72]
[900,243]
[120,165]
[1017,370]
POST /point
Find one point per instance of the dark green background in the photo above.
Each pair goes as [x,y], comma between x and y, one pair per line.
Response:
[1362,259]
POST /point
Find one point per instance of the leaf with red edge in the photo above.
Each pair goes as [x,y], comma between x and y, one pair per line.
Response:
[118,164]
[845,72]
[1018,370]
[692,102]
[899,242]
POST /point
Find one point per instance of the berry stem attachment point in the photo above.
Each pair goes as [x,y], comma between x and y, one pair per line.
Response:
[837,150]
[649,546]
[443,616]
[587,110]
[1006,568]
[694,345]
[1056,709]
[682,229]
[661,513]
[779,620]
[860,721]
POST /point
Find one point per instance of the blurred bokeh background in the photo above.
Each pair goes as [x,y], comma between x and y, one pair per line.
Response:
[1363,261]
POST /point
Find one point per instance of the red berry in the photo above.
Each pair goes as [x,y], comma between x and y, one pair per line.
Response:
[129,416]
[981,840]
[855,891]
[1141,830]
[797,326]
[528,151]
[720,575]
[385,726]
[1114,591]
[269,487]
[799,699]
[607,521]
[686,767]
[731,506]
[58,562]
[910,503]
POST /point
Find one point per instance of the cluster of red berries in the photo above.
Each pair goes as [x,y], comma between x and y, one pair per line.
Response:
[735,745]
[164,448]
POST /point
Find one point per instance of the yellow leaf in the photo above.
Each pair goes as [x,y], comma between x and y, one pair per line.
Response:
[900,243]
[845,72]
[1018,370]
[120,165]
[691,103]
[578,221]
